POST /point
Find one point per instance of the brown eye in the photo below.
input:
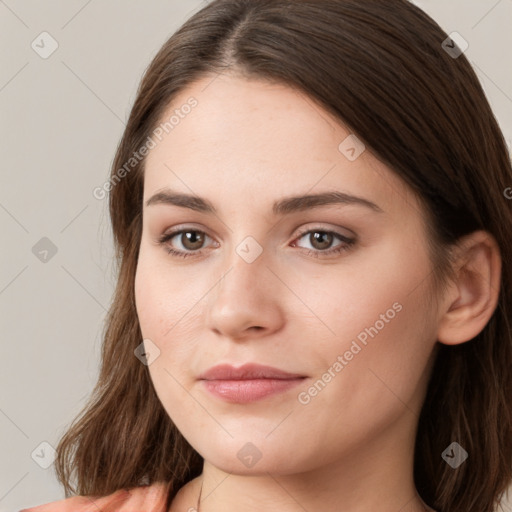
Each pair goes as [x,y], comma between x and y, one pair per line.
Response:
[321,240]
[321,243]
[184,242]
[192,240]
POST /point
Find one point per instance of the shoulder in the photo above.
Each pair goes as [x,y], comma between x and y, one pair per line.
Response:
[149,498]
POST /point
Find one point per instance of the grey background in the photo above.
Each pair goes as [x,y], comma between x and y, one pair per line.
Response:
[61,120]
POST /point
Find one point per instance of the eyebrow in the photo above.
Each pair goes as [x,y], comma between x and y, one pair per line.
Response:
[282,207]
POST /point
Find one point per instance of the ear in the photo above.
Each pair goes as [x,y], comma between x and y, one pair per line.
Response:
[471,300]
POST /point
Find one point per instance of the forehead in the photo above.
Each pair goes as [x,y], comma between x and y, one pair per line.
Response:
[246,139]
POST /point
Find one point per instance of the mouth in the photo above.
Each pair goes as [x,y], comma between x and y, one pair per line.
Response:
[247,383]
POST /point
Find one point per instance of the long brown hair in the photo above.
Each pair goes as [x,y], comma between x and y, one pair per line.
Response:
[380,68]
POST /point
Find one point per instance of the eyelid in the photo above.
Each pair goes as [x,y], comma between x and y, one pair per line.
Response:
[184,227]
[327,229]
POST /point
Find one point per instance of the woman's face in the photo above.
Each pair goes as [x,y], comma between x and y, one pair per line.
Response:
[330,291]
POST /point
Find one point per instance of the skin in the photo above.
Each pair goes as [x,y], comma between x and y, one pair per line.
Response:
[245,145]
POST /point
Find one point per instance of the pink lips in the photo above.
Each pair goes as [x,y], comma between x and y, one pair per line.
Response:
[247,383]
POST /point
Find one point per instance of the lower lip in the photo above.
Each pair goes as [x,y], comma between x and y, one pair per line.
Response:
[250,390]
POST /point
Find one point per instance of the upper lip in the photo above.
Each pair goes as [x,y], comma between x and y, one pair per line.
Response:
[246,372]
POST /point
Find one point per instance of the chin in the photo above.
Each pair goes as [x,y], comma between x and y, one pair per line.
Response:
[251,456]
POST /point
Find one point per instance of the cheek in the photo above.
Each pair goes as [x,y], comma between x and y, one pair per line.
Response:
[379,325]
[163,319]
[371,373]
[161,296]
[168,306]
[374,281]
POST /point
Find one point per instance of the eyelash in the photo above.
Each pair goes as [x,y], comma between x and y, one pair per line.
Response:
[347,244]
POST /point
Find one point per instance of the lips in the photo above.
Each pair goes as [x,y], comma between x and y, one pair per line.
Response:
[247,383]
[247,371]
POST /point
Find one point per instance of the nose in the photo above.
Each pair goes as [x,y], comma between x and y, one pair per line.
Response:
[246,302]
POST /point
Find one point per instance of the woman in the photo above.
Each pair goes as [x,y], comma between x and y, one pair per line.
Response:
[314,293]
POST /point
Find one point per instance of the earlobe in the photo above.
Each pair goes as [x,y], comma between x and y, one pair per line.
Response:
[472,299]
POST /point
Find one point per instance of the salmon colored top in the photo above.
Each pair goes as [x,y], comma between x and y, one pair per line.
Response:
[149,498]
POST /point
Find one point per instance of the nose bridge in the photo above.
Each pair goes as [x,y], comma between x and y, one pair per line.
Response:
[246,272]
[243,297]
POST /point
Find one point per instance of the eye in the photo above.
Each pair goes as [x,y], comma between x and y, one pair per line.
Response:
[191,240]
[321,241]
